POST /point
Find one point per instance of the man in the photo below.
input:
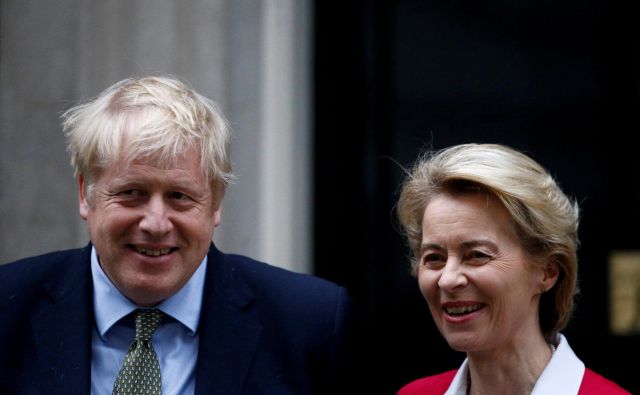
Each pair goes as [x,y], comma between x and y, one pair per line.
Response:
[151,160]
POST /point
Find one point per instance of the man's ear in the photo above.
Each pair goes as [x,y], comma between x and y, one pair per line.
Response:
[217,216]
[218,196]
[83,204]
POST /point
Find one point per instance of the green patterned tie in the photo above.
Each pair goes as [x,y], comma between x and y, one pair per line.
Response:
[140,372]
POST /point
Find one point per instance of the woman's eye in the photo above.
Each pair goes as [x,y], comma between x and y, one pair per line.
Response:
[478,257]
[433,259]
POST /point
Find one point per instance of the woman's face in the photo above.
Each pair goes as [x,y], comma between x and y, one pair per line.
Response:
[481,286]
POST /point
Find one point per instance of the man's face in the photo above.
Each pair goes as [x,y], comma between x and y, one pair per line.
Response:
[151,226]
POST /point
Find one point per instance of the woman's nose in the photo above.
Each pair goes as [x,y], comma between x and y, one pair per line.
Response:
[452,276]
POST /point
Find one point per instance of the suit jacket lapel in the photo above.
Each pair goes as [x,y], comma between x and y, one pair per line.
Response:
[228,335]
[62,329]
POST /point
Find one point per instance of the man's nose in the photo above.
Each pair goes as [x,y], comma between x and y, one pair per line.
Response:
[155,219]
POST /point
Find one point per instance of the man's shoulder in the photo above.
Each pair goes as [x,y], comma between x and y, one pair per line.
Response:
[39,268]
[42,261]
[266,272]
[275,282]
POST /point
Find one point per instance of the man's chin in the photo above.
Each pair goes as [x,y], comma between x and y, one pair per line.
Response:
[149,292]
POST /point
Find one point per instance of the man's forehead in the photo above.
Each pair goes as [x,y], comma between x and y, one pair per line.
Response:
[163,157]
[144,168]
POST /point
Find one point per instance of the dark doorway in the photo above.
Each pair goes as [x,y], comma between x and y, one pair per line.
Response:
[558,80]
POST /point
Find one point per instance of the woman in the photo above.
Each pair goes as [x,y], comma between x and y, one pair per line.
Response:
[494,242]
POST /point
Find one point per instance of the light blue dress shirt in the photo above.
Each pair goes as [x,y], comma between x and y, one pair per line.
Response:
[175,341]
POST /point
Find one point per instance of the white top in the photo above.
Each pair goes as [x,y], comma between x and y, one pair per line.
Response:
[562,375]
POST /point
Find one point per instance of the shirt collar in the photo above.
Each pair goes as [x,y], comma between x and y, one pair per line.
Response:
[459,384]
[562,375]
[110,305]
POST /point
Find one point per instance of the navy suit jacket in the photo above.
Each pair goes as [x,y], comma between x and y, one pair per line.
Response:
[263,330]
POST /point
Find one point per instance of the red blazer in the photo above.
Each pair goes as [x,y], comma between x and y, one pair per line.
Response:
[592,384]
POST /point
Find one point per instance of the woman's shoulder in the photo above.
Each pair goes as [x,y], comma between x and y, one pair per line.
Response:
[593,383]
[431,385]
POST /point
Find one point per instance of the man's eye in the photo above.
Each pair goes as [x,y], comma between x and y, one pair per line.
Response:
[178,196]
[132,192]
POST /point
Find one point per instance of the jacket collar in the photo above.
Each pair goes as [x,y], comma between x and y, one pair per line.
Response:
[62,328]
[229,335]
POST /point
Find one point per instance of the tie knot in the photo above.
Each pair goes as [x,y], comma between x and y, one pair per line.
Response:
[147,322]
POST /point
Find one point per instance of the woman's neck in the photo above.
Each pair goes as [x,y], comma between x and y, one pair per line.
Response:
[509,370]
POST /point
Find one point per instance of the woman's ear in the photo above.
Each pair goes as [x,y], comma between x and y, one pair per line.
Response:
[550,274]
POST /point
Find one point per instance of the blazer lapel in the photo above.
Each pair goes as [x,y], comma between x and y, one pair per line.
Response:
[62,330]
[228,335]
